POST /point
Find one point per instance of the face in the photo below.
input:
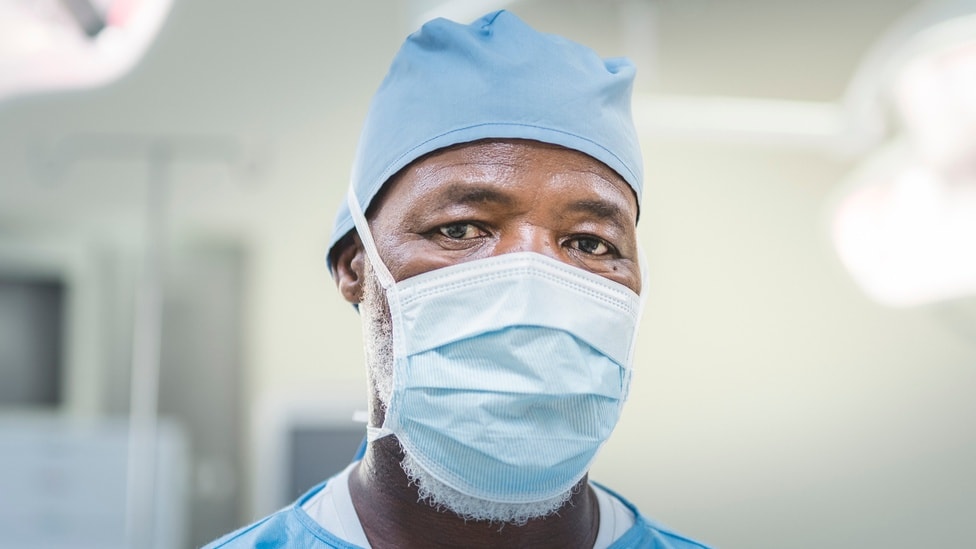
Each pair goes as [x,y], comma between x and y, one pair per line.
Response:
[476,201]
[494,197]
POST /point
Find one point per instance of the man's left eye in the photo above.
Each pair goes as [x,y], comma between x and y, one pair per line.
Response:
[460,231]
[590,245]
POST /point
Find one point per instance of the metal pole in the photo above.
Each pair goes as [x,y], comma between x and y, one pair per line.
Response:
[146,345]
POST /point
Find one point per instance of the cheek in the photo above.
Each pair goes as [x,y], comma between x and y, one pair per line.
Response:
[389,245]
[633,275]
[418,263]
[626,275]
[409,257]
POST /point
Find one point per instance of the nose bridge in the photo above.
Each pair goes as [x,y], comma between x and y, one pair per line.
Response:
[527,237]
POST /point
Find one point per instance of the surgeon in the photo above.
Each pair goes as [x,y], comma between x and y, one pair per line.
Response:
[489,242]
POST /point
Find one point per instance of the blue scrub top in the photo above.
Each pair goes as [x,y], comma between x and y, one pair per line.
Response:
[293,528]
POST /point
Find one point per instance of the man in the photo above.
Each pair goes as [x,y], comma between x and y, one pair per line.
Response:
[489,242]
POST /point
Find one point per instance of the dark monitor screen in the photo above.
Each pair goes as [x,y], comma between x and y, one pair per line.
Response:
[317,453]
[31,341]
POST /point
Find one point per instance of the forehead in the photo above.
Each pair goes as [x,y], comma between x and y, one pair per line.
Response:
[514,165]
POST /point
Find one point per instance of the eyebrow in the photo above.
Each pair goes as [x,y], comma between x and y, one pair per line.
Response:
[604,210]
[601,209]
[466,194]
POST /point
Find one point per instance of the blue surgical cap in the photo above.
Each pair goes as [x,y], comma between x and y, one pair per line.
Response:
[495,78]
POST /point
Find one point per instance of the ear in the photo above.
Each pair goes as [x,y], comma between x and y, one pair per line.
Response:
[347,269]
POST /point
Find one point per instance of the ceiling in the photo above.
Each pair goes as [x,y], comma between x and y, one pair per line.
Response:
[290,87]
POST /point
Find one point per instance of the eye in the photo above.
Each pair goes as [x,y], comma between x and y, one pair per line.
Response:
[590,245]
[460,231]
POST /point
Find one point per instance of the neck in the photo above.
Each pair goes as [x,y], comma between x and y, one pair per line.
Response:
[393,515]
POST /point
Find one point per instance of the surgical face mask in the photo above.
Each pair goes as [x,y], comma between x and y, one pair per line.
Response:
[509,372]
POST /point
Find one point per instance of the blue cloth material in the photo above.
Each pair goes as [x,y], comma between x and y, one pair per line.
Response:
[495,78]
[293,528]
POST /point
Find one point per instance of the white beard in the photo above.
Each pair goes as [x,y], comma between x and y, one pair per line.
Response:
[440,495]
[377,336]
[378,341]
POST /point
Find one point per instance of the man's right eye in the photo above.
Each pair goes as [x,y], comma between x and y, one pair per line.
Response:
[460,231]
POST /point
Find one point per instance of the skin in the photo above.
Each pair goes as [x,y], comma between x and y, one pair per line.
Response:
[470,202]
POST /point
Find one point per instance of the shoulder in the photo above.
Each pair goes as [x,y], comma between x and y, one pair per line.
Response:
[271,531]
[289,527]
[648,534]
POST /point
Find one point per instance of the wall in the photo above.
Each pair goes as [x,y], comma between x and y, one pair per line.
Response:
[774,405]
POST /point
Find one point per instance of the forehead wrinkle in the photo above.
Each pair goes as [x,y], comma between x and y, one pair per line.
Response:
[606,180]
[483,161]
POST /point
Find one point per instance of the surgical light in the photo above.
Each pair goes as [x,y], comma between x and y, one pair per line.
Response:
[906,226]
[49,45]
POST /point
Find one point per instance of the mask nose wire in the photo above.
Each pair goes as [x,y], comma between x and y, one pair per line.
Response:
[362,227]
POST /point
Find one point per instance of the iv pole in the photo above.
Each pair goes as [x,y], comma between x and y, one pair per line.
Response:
[147,331]
[160,152]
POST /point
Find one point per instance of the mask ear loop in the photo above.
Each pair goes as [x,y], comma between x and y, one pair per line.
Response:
[366,237]
[645,278]
[386,280]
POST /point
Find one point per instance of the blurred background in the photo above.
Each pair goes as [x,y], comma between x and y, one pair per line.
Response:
[175,361]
